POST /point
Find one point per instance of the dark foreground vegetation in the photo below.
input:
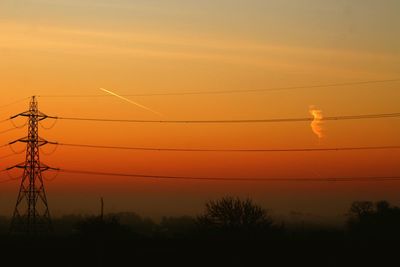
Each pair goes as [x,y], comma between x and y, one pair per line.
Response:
[229,232]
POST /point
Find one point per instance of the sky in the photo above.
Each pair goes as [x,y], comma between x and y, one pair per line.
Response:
[73,47]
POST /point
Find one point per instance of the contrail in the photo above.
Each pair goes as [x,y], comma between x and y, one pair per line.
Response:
[316,123]
[132,102]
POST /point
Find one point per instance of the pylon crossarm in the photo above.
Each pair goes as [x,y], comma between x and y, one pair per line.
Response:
[40,142]
[43,142]
[51,142]
[38,117]
[52,169]
[42,116]
[24,114]
[15,167]
[19,140]
[44,168]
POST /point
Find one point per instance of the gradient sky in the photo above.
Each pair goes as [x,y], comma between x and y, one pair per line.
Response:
[52,47]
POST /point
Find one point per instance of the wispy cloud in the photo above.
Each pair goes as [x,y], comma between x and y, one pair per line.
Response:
[164,45]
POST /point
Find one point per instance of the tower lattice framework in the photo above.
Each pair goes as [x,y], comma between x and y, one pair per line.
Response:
[31,214]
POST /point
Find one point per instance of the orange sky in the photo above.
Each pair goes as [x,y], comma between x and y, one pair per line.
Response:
[133,47]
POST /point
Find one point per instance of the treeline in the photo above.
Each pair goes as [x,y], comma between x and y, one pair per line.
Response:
[230,231]
[227,219]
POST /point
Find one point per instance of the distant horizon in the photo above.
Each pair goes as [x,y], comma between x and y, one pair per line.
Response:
[293,217]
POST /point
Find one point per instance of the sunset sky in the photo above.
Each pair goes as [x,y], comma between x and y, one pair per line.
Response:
[76,47]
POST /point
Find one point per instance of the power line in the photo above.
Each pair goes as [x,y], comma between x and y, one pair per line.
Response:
[227,150]
[7,156]
[239,91]
[8,180]
[223,179]
[16,152]
[11,179]
[8,130]
[2,121]
[16,127]
[13,103]
[308,119]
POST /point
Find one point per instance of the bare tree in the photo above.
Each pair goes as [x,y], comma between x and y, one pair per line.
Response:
[361,208]
[235,215]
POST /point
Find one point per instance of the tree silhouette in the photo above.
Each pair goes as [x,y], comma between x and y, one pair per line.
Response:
[377,220]
[235,217]
[361,209]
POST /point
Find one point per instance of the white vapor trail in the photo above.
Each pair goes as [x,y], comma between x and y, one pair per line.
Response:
[132,102]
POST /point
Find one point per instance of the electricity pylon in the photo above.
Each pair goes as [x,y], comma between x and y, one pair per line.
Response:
[31,214]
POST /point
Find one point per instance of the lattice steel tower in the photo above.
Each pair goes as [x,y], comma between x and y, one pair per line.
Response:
[31,214]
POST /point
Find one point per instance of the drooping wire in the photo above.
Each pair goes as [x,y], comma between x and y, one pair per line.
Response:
[5,120]
[57,173]
[8,130]
[18,127]
[224,179]
[16,152]
[229,150]
[15,127]
[52,152]
[11,178]
[7,156]
[290,88]
[5,145]
[308,119]
[8,180]
[50,127]
[15,102]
